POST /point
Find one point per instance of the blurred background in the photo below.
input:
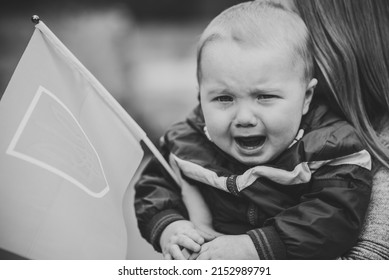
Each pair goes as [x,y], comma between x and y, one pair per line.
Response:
[142,51]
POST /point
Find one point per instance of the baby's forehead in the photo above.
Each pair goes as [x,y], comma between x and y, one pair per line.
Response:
[257,22]
[281,53]
[267,35]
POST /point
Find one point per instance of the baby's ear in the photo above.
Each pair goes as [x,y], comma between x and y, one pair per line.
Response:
[309,94]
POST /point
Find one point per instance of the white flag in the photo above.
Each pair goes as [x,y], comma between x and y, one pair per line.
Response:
[68,151]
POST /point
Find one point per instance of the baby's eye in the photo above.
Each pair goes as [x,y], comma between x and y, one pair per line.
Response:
[224,99]
[265,96]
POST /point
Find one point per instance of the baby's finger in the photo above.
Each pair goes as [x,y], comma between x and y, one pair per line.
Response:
[207,235]
[186,242]
[167,256]
[186,253]
[176,253]
[195,236]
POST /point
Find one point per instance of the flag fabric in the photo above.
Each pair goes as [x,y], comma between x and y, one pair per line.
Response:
[68,151]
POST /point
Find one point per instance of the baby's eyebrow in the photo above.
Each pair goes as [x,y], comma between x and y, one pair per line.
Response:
[253,92]
[263,91]
[220,91]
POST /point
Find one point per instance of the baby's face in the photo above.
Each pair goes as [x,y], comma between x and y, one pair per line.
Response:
[252,100]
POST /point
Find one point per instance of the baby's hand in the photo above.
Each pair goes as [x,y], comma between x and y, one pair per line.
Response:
[178,235]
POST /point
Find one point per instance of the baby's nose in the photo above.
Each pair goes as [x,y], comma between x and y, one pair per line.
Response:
[245,117]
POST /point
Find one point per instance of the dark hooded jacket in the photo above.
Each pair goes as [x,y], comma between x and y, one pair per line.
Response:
[308,203]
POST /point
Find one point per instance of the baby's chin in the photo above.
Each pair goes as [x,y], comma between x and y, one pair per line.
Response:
[255,160]
[251,161]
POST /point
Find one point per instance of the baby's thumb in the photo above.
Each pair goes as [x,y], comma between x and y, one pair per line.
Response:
[207,234]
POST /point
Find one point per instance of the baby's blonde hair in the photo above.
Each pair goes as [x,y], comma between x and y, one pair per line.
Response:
[261,24]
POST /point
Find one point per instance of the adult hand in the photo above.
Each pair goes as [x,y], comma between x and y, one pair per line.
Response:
[236,247]
[178,235]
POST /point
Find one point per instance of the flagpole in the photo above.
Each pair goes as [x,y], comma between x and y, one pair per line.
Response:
[105,95]
[160,158]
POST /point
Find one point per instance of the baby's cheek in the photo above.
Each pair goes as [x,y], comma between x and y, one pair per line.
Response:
[285,131]
[288,122]
[217,125]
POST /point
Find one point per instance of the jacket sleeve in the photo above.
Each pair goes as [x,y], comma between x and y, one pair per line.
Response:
[158,202]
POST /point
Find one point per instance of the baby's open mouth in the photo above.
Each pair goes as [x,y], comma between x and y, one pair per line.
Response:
[250,143]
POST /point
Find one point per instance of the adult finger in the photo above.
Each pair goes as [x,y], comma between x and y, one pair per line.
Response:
[193,256]
[203,256]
